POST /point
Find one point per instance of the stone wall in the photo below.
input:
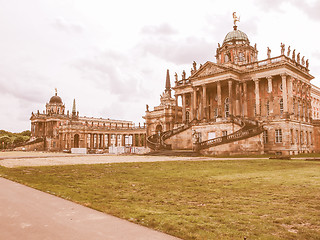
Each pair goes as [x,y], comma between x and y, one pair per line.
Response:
[253,145]
[181,141]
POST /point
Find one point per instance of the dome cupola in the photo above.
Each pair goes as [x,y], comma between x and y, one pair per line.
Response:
[236,47]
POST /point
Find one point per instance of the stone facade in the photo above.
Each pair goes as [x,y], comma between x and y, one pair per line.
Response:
[275,93]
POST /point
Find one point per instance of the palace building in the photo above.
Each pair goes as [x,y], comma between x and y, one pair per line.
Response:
[56,130]
[235,105]
[239,105]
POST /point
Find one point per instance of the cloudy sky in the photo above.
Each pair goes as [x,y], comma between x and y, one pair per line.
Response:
[112,56]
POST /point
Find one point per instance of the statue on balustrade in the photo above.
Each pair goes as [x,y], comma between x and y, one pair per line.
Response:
[282,48]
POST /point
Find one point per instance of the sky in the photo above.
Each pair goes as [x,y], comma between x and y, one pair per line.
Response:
[112,56]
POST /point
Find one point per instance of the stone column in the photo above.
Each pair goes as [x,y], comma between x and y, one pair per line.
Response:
[257,93]
[290,95]
[270,97]
[204,102]
[191,107]
[284,93]
[103,142]
[219,98]
[237,110]
[194,103]
[92,140]
[230,97]
[134,140]
[183,107]
[245,100]
[176,109]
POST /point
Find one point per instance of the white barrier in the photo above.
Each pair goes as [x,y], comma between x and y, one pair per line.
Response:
[79,150]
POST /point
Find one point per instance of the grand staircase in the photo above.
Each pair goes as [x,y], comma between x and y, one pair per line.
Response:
[157,142]
[249,128]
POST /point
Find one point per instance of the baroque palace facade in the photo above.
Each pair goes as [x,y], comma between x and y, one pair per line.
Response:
[240,105]
[57,130]
[236,105]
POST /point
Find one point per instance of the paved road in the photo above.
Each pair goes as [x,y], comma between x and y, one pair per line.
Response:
[29,214]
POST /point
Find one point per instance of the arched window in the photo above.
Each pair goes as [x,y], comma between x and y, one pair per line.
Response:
[226,107]
[281,106]
[187,116]
[241,57]
[226,58]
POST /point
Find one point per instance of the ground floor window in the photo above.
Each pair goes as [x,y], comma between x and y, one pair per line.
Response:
[265,136]
[297,136]
[224,133]
[301,137]
[226,107]
[278,133]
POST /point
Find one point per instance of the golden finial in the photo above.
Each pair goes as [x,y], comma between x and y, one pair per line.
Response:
[56,91]
[235,19]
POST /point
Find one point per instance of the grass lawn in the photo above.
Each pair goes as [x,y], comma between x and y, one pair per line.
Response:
[259,199]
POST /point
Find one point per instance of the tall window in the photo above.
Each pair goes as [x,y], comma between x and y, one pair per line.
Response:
[265,136]
[268,107]
[278,133]
[294,107]
[307,138]
[301,137]
[291,136]
[215,112]
[298,109]
[224,133]
[297,137]
[226,107]
[310,135]
[187,116]
[281,106]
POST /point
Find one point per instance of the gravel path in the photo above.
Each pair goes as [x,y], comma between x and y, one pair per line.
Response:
[28,159]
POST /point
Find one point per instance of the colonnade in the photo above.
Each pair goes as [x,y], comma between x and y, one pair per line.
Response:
[102,141]
[199,103]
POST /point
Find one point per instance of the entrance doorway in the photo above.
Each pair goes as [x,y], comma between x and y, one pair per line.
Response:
[76,141]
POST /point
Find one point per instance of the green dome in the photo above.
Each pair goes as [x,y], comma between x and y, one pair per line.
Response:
[236,36]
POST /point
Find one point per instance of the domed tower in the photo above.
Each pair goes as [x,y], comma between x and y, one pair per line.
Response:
[55,105]
[236,48]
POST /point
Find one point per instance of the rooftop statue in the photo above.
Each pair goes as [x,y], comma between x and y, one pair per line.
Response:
[289,50]
[235,18]
[282,48]
[269,52]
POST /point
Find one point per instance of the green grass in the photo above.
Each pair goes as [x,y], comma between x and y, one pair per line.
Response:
[259,199]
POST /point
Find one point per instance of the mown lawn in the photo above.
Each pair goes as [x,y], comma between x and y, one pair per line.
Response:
[259,199]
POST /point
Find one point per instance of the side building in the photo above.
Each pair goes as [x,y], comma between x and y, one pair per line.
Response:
[55,129]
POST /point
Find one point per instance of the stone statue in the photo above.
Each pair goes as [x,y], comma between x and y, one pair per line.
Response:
[289,50]
[184,74]
[255,46]
[235,18]
[282,48]
[194,65]
[200,66]
[176,76]
[298,58]
[147,107]
[294,55]
[303,61]
[218,45]
[268,52]
[307,64]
